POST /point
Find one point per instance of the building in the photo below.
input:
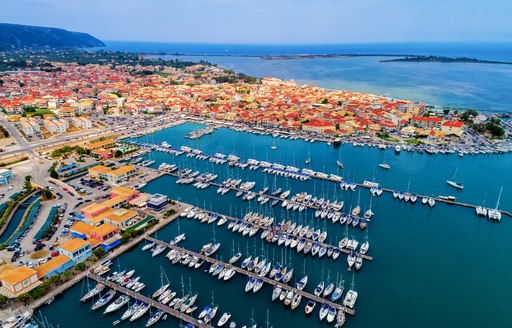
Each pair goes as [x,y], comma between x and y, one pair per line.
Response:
[113,176]
[318,126]
[127,193]
[108,236]
[105,144]
[157,202]
[81,230]
[29,126]
[121,218]
[427,122]
[78,250]
[81,122]
[453,128]
[56,265]
[56,126]
[5,175]
[18,280]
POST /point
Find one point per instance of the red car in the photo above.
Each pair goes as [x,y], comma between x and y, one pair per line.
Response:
[53,254]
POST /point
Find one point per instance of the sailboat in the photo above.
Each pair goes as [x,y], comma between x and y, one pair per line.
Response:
[495,214]
[451,180]
[308,160]
[384,165]
[481,210]
[273,145]
[339,162]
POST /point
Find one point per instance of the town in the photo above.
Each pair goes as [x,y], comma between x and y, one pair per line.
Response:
[72,198]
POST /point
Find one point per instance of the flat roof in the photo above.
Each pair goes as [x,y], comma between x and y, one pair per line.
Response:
[17,275]
[82,227]
[104,229]
[121,190]
[93,207]
[114,201]
[51,265]
[121,215]
[74,244]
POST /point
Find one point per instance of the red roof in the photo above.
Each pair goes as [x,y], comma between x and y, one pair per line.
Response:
[453,124]
[427,119]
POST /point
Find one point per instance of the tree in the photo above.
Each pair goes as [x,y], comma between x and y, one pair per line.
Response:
[325,101]
[80,150]
[81,266]
[47,193]
[23,297]
[3,299]
[125,237]
[118,153]
[54,174]
[446,111]
[99,252]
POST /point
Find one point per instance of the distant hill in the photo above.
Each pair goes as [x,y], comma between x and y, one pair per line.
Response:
[14,36]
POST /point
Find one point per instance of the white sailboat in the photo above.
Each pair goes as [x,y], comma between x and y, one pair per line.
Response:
[495,214]
[451,180]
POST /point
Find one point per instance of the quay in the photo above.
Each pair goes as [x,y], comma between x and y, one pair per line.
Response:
[342,250]
[254,275]
[154,303]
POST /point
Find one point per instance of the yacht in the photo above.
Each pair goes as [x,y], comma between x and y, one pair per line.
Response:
[351,259]
[224,319]
[319,289]
[481,211]
[310,307]
[104,299]
[93,292]
[455,184]
[331,315]
[131,310]
[118,303]
[385,166]
[350,299]
[154,318]
[140,312]
[323,311]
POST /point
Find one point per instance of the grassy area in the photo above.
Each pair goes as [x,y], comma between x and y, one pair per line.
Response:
[413,142]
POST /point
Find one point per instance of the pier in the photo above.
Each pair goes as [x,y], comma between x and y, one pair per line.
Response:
[327,178]
[154,303]
[254,275]
[342,250]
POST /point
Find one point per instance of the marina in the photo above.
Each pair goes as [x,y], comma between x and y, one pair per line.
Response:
[254,275]
[302,175]
[137,296]
[392,219]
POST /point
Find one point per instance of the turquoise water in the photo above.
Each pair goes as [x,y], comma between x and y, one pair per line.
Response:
[480,86]
[439,267]
[16,218]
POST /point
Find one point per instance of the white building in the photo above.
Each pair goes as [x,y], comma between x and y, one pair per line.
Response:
[81,122]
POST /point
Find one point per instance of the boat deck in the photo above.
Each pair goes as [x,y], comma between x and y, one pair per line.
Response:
[254,275]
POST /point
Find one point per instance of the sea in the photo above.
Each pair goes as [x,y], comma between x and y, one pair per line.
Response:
[485,87]
[432,267]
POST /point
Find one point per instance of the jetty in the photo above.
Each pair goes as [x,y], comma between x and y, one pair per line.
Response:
[154,303]
[253,275]
[261,227]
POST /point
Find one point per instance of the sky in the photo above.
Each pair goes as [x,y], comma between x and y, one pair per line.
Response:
[270,21]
